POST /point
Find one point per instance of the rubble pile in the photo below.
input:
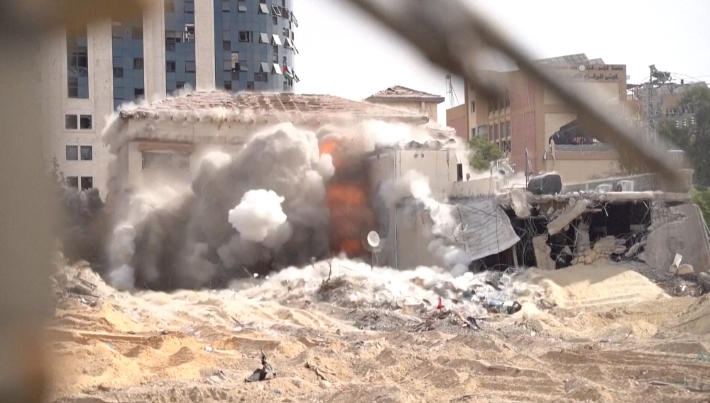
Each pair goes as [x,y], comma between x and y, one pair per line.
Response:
[649,229]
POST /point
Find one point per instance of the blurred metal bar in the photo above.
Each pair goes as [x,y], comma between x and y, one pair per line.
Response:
[26,208]
[455,36]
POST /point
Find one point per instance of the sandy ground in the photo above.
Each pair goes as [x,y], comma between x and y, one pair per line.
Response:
[587,333]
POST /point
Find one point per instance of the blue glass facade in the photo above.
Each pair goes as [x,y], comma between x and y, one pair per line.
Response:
[253,42]
[77,63]
[179,44]
[127,48]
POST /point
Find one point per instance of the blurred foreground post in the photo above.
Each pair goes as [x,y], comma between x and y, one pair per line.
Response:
[25,242]
[26,209]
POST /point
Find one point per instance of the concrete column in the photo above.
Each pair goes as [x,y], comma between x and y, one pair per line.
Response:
[101,84]
[154,50]
[204,44]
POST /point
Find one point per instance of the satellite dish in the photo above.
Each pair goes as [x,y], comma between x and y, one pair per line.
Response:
[373,240]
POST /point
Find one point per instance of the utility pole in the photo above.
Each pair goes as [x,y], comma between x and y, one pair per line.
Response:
[652,105]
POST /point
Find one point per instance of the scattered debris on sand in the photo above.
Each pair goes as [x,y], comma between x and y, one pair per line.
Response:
[585,333]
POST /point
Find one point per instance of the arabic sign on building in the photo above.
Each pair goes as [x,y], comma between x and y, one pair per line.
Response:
[591,72]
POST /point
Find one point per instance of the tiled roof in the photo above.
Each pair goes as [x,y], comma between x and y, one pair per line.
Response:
[399,93]
[250,107]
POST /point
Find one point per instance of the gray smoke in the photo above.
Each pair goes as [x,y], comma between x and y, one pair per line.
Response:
[412,193]
[251,211]
[258,208]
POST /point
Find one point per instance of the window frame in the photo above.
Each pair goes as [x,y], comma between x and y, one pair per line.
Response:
[90,154]
[67,154]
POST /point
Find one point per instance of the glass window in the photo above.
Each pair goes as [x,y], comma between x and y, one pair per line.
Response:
[86,153]
[85,122]
[71,122]
[87,182]
[263,9]
[138,92]
[73,87]
[227,65]
[189,8]
[242,6]
[226,45]
[170,66]
[190,67]
[118,72]
[225,5]
[73,182]
[72,153]
[274,20]
[138,63]
[227,85]
[244,36]
[473,106]
[250,85]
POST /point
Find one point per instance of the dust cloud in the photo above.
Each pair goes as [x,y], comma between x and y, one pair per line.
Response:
[288,197]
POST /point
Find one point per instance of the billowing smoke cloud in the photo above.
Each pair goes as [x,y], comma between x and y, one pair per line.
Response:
[259,208]
[287,196]
[259,218]
[412,192]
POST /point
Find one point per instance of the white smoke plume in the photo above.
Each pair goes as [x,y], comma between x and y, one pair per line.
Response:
[412,191]
[259,207]
[263,205]
[259,218]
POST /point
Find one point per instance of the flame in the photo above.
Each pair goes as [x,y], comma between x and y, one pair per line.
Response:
[344,194]
[347,198]
[327,147]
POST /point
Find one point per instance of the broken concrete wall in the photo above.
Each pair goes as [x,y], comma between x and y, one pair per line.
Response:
[677,230]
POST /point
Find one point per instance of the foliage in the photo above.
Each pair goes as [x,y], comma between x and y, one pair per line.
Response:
[701,197]
[482,153]
[694,140]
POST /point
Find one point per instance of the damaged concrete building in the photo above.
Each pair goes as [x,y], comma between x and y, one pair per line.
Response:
[482,223]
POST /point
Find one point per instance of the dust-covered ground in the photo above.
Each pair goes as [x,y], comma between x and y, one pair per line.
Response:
[599,333]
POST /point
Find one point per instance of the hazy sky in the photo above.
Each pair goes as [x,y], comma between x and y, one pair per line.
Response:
[343,52]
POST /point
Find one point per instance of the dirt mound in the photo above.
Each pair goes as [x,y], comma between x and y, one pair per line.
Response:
[595,287]
[697,318]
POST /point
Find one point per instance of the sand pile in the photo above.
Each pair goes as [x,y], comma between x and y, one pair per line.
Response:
[697,318]
[594,287]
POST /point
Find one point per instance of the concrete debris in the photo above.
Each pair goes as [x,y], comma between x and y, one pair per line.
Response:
[685,236]
[676,263]
[609,245]
[582,243]
[704,281]
[685,270]
[265,373]
[603,248]
[567,215]
[633,250]
[519,203]
[542,253]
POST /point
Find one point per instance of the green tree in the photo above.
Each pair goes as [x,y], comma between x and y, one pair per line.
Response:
[481,152]
[693,139]
[702,199]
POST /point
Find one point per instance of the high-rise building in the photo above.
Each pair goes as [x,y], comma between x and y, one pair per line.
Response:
[89,72]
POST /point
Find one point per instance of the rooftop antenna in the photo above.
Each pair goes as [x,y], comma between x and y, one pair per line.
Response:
[450,93]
